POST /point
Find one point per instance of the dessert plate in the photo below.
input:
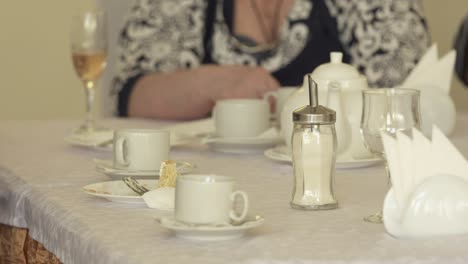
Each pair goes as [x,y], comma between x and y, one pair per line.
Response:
[240,145]
[107,167]
[209,232]
[281,154]
[118,191]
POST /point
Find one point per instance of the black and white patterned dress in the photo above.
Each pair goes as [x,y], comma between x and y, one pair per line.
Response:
[382,38]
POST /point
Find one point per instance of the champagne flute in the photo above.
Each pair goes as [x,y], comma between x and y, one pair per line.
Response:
[387,110]
[89,52]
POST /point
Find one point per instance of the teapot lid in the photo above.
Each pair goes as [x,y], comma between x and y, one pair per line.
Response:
[335,69]
[313,113]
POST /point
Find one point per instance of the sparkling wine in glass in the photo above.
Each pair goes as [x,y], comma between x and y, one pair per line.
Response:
[387,110]
[89,52]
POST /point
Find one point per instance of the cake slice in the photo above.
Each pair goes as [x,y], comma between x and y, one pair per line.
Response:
[168,174]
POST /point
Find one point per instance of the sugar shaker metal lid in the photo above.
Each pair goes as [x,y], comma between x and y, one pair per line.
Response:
[313,113]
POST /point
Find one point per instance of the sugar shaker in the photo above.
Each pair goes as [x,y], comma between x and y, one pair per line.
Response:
[314,154]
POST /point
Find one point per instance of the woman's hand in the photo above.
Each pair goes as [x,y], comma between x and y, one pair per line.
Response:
[235,81]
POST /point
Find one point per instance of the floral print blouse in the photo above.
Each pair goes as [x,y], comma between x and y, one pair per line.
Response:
[383,39]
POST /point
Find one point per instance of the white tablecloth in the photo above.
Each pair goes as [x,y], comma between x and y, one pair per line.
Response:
[40,189]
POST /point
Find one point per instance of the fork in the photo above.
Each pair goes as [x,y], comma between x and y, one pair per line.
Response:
[105,143]
[135,185]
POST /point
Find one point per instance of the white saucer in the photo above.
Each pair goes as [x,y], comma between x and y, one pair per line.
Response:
[117,191]
[209,233]
[99,140]
[107,167]
[102,140]
[281,154]
[240,145]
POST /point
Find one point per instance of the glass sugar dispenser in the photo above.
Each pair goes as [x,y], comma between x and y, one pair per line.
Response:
[314,154]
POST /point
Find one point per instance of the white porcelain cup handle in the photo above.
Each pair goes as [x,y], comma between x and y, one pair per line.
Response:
[119,152]
[245,199]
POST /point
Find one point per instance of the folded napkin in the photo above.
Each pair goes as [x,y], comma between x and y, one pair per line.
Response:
[431,70]
[194,128]
[160,198]
[433,77]
[181,134]
[429,194]
[94,139]
[192,131]
[270,135]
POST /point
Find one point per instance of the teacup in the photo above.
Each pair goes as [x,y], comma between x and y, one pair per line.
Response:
[241,117]
[208,200]
[140,149]
[280,96]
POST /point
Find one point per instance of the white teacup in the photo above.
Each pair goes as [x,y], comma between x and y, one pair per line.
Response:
[140,149]
[208,200]
[280,96]
[241,117]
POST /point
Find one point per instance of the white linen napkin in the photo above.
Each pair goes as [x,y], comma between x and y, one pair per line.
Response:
[194,128]
[206,127]
[431,70]
[272,132]
[191,131]
[270,135]
[160,198]
[181,134]
[429,186]
[433,77]
[94,139]
[413,160]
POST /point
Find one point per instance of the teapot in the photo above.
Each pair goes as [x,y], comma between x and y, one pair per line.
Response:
[347,98]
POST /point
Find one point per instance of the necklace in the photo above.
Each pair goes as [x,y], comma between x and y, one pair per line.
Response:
[270,35]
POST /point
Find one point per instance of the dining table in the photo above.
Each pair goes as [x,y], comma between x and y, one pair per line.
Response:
[41,193]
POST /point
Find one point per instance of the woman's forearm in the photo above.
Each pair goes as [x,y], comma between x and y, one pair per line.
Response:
[176,95]
[191,94]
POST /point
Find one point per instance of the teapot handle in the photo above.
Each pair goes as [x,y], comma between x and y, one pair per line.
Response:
[342,126]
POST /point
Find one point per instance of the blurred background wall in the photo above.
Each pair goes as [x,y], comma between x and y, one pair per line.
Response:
[38,81]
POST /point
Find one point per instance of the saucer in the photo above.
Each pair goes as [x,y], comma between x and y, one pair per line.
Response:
[99,140]
[118,191]
[240,145]
[107,167]
[281,154]
[209,232]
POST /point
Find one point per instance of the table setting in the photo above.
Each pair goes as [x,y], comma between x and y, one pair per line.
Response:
[248,185]
[359,192]
[52,191]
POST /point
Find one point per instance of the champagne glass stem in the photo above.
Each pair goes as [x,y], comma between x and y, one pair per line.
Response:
[377,218]
[89,121]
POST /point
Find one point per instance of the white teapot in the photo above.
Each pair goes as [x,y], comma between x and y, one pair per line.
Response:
[349,99]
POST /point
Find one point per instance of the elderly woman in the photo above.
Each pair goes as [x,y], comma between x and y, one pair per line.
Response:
[178,57]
